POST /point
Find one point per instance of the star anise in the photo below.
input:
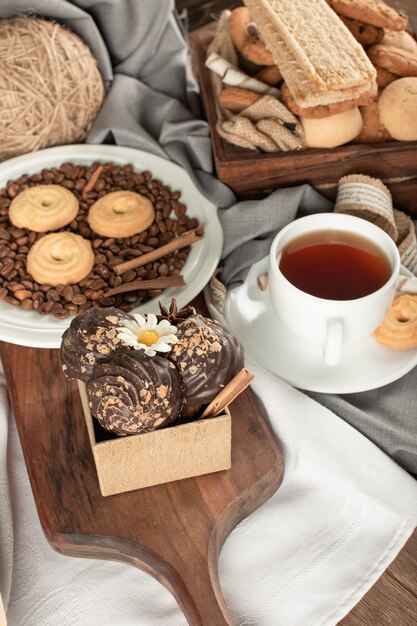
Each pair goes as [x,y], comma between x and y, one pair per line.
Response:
[174,315]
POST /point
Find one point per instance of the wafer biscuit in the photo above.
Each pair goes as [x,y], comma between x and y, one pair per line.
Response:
[318,57]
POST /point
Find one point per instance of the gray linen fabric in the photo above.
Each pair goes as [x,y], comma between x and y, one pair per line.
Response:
[152,105]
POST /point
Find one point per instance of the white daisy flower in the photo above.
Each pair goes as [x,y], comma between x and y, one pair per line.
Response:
[146,333]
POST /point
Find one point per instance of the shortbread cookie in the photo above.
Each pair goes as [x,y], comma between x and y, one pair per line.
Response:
[121,214]
[366,34]
[43,207]
[236,99]
[269,75]
[333,131]
[60,259]
[246,38]
[373,130]
[325,110]
[398,331]
[384,77]
[374,12]
[398,109]
[395,60]
[318,57]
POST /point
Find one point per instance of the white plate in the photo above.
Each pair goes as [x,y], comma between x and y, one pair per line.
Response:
[28,328]
[250,316]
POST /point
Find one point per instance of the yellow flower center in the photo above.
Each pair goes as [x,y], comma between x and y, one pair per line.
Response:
[148,337]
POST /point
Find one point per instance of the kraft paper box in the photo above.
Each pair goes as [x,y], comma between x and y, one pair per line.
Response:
[160,456]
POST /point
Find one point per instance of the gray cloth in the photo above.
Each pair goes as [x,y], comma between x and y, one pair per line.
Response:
[152,105]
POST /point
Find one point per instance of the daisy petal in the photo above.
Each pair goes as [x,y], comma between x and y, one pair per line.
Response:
[140,319]
[132,326]
[170,338]
[161,347]
[152,322]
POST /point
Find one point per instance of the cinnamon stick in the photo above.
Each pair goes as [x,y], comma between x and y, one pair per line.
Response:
[89,186]
[162,282]
[186,239]
[229,393]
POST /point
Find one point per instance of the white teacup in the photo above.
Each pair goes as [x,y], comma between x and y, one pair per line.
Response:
[332,324]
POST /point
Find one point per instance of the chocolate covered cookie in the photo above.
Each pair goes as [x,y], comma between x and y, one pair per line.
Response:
[132,393]
[90,338]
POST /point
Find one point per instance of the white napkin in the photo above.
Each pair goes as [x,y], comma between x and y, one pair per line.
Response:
[307,556]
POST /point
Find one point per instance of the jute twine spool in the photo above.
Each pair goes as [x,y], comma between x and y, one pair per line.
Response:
[50,87]
[370,199]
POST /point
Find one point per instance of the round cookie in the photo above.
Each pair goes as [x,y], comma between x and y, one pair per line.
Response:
[384,77]
[398,109]
[132,393]
[332,131]
[236,99]
[374,12]
[207,356]
[395,60]
[269,75]
[366,34]
[91,337]
[325,110]
[246,39]
[400,39]
[121,214]
[43,207]
[373,131]
[60,259]
[398,330]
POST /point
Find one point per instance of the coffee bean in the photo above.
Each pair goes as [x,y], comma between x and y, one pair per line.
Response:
[129,276]
[27,304]
[68,293]
[79,299]
[22,294]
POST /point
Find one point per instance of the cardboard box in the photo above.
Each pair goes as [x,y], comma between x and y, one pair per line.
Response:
[255,175]
[160,456]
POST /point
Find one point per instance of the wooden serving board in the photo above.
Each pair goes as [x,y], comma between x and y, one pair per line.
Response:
[173,531]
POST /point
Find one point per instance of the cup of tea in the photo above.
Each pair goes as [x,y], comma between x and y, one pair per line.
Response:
[332,279]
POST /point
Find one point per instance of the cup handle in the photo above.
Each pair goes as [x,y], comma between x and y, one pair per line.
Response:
[333,343]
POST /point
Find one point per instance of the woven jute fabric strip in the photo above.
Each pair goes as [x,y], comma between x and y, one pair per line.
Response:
[268,125]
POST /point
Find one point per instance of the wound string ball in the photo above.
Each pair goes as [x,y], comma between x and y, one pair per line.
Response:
[50,87]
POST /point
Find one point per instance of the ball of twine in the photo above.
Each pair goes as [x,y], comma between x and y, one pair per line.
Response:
[50,87]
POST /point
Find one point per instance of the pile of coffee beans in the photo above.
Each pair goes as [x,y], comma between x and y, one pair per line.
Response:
[18,288]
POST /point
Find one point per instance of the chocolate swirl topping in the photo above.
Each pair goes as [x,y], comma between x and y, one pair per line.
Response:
[207,356]
[90,338]
[133,393]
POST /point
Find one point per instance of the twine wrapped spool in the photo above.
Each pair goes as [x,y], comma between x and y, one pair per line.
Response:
[50,87]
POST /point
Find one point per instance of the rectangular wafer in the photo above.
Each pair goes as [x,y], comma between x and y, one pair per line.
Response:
[320,60]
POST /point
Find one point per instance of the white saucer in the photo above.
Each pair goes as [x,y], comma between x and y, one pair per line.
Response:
[251,318]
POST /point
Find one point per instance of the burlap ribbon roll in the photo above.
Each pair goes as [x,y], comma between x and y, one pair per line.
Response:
[370,199]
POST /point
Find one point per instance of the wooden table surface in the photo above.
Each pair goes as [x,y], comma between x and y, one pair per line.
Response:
[393,599]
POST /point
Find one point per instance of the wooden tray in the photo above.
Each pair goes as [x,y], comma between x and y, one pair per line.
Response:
[173,531]
[255,175]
